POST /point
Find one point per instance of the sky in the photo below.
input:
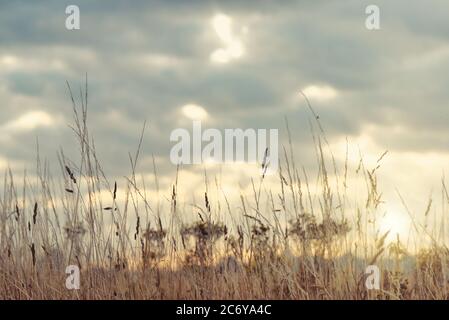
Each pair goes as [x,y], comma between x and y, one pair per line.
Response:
[233,65]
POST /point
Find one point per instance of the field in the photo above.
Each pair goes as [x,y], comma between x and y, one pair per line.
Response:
[273,244]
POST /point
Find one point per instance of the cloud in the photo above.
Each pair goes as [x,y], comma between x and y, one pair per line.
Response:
[29,121]
[320,93]
[232,45]
[11,63]
[194,112]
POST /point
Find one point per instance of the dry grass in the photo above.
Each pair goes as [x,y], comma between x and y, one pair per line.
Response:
[284,245]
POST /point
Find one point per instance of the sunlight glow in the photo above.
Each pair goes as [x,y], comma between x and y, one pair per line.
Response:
[29,121]
[9,61]
[3,163]
[233,47]
[397,223]
[320,93]
[194,112]
[222,25]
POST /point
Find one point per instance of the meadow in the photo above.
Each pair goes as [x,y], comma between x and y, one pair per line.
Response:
[288,243]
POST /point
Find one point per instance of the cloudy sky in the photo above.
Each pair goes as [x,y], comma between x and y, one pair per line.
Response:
[234,65]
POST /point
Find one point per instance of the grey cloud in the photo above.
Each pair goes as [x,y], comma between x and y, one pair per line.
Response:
[289,46]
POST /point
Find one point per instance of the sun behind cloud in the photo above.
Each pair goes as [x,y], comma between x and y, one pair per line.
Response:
[194,112]
[232,45]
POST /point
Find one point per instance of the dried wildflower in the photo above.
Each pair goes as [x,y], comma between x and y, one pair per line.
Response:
[207,231]
[260,237]
[235,244]
[35,213]
[154,235]
[33,254]
[114,193]
[205,235]
[153,245]
[305,228]
[75,232]
[70,173]
[137,228]
[260,233]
